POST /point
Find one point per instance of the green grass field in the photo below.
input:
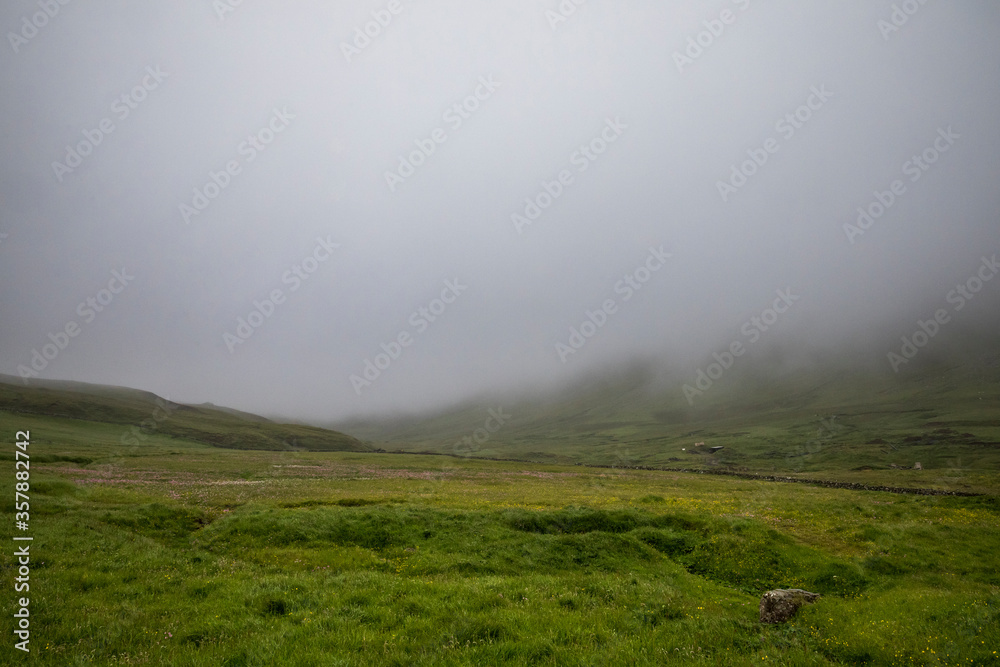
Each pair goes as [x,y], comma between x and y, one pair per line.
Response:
[177,553]
[158,542]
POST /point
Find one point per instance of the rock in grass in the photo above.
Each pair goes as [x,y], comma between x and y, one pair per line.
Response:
[780,605]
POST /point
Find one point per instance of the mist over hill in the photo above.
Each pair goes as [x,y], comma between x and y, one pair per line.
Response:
[786,410]
[559,332]
[249,208]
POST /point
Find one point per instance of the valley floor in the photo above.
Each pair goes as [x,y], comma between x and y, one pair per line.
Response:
[178,554]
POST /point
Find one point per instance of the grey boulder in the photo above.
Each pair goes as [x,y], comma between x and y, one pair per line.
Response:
[780,605]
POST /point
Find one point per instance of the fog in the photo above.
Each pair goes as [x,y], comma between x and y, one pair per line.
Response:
[311,221]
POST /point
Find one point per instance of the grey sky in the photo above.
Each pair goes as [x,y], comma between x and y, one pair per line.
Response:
[279,71]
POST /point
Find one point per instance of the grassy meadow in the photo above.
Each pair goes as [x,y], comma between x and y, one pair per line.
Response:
[173,552]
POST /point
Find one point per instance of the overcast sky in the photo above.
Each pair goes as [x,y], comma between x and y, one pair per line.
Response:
[207,153]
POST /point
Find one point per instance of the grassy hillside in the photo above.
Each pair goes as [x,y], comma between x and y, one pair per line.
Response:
[808,419]
[137,415]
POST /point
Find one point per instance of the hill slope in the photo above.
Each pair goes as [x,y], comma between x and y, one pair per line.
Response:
[810,417]
[142,414]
